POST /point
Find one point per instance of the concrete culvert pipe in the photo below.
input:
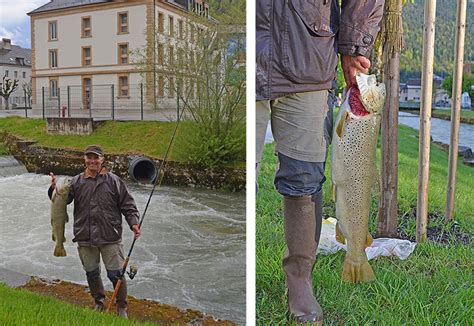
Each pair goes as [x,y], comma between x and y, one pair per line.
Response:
[142,170]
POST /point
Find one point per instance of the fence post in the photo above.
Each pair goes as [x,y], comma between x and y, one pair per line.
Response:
[177,102]
[141,99]
[42,99]
[68,101]
[113,103]
[59,102]
[26,109]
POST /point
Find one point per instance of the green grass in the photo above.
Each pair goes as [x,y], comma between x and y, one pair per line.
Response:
[467,116]
[3,150]
[434,286]
[21,307]
[149,138]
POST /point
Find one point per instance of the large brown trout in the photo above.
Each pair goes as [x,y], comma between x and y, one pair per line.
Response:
[59,216]
[354,171]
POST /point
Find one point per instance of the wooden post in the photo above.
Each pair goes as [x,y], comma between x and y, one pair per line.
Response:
[456,107]
[425,119]
[392,36]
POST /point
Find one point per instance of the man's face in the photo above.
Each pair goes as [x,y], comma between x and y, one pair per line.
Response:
[93,162]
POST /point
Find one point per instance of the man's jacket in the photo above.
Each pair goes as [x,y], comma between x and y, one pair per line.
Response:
[98,207]
[298,41]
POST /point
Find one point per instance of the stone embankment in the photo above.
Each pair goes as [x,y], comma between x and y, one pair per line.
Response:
[43,160]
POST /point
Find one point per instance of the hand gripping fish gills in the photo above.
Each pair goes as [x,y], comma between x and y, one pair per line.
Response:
[59,216]
[353,172]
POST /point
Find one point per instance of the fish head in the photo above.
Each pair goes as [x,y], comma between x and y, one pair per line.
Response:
[65,186]
[372,93]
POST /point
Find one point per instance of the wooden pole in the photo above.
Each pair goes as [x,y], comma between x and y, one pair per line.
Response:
[456,107]
[425,120]
[392,35]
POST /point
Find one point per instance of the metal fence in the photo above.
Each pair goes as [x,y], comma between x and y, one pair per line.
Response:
[106,102]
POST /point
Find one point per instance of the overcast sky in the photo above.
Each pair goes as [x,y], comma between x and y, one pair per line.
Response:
[15,23]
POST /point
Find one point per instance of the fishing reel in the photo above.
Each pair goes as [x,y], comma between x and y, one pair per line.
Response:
[133,271]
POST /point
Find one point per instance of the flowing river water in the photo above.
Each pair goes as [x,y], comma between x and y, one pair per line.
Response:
[191,253]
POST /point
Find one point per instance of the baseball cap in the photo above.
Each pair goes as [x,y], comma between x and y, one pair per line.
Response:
[95,149]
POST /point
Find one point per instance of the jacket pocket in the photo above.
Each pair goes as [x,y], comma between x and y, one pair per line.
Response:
[308,40]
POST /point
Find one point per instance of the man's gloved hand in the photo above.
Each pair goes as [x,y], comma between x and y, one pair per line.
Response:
[53,179]
[351,65]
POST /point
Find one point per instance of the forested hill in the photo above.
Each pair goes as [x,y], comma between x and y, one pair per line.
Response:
[413,15]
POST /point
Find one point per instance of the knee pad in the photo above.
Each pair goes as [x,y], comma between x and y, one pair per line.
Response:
[94,274]
[299,178]
[113,275]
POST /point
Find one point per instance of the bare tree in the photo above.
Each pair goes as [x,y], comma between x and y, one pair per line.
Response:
[7,88]
[28,90]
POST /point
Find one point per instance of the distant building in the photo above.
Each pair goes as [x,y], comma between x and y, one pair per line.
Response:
[411,90]
[15,63]
[85,47]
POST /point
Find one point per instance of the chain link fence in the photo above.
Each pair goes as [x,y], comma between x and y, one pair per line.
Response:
[106,102]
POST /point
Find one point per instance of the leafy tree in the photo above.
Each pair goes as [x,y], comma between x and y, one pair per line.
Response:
[7,88]
[207,74]
[467,86]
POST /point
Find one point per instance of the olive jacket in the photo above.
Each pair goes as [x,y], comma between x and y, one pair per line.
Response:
[297,42]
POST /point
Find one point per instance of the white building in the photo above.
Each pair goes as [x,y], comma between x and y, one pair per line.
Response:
[83,50]
[15,63]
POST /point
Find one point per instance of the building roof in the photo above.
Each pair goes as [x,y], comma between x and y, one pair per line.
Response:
[63,4]
[9,57]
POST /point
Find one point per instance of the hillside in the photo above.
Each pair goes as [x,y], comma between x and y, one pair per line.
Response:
[444,37]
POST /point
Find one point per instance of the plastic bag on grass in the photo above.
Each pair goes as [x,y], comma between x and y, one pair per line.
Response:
[380,247]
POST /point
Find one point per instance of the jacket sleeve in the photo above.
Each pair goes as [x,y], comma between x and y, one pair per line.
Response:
[127,205]
[359,26]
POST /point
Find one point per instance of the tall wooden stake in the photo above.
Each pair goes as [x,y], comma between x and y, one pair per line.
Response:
[425,119]
[456,107]
[392,39]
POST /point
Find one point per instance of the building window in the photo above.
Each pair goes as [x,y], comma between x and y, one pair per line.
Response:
[15,74]
[171,26]
[123,86]
[161,22]
[24,74]
[161,54]
[123,53]
[122,23]
[171,55]
[171,87]
[53,58]
[161,86]
[86,27]
[53,30]
[86,56]
[53,88]
[181,29]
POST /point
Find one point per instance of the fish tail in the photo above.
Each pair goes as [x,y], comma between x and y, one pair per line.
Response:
[59,251]
[356,272]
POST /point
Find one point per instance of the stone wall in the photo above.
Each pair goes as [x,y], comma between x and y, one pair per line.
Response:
[43,160]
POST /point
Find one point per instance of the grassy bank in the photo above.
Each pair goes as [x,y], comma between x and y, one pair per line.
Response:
[433,286]
[20,307]
[467,116]
[149,138]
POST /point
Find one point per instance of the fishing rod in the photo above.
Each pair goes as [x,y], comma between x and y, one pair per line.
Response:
[127,259]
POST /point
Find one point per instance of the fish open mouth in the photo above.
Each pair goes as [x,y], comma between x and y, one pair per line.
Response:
[356,106]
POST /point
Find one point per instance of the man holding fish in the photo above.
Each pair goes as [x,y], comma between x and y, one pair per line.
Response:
[297,48]
[100,199]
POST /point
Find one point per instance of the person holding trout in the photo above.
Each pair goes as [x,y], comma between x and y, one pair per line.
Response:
[100,198]
[297,46]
